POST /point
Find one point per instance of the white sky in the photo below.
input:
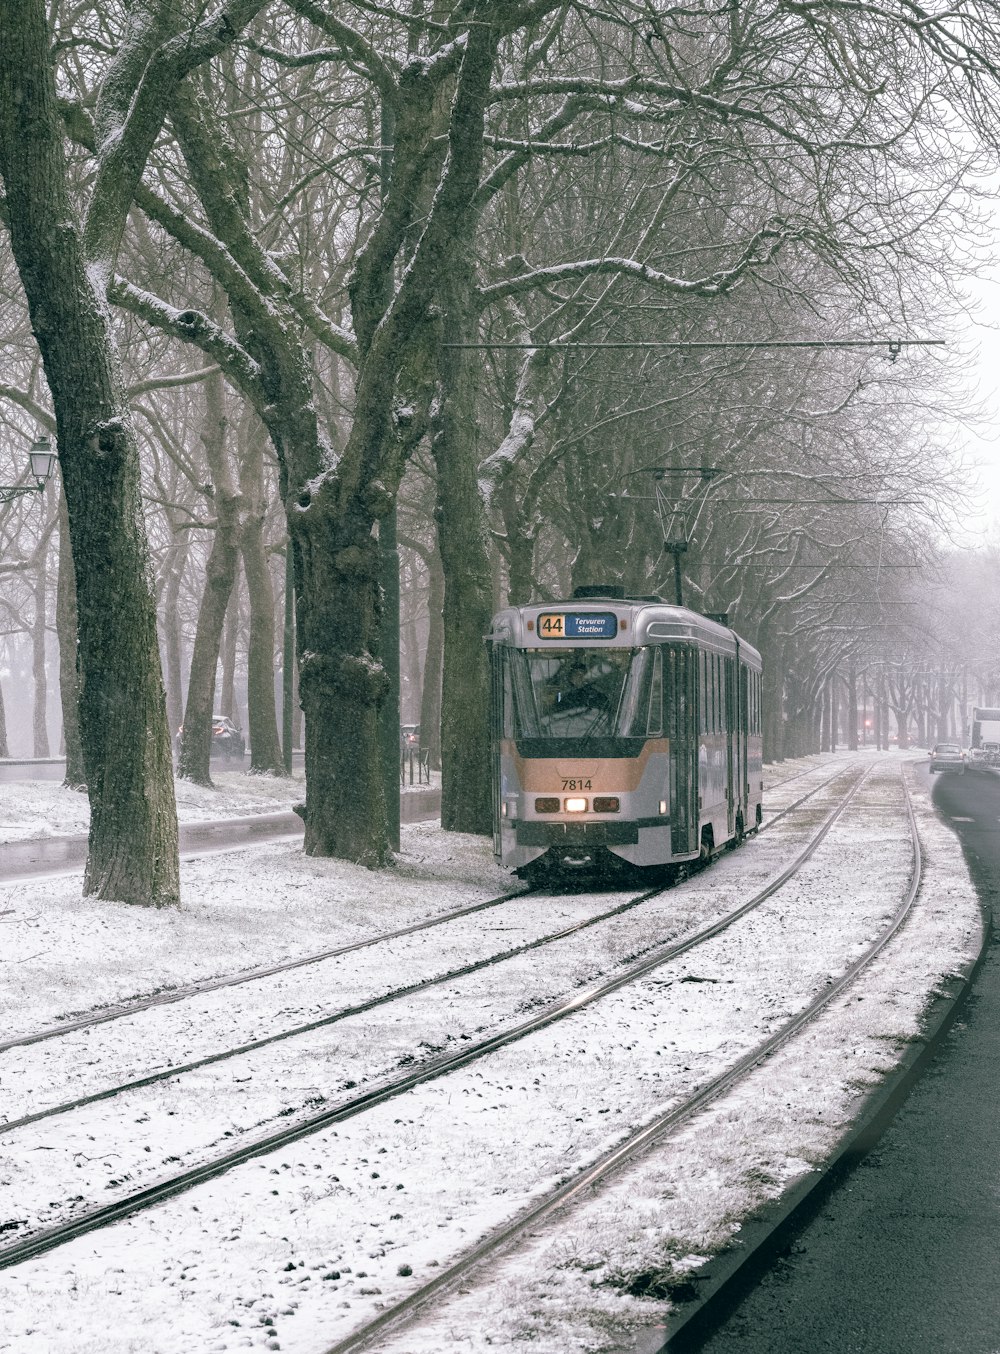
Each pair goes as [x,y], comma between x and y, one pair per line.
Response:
[982,442]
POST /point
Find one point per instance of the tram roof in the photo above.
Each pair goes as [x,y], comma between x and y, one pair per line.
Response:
[647,620]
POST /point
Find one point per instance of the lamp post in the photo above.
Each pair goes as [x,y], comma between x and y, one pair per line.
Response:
[42,460]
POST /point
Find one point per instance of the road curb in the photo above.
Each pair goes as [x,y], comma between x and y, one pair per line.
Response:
[725,1278]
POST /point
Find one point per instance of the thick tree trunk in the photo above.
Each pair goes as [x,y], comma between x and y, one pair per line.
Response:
[262,720]
[39,721]
[126,744]
[337,635]
[66,628]
[468,594]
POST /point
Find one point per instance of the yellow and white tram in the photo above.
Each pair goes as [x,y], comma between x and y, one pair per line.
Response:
[624,730]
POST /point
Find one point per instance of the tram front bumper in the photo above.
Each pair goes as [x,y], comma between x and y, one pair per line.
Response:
[576,834]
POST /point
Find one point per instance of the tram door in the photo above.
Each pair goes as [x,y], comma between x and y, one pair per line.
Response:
[742,744]
[732,744]
[497,666]
[680,680]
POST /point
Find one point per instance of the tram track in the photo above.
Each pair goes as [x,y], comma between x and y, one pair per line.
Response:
[330,1019]
[202,987]
[627,1152]
[92,1219]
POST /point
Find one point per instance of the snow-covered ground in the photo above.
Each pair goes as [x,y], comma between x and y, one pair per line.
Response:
[32,810]
[295,1249]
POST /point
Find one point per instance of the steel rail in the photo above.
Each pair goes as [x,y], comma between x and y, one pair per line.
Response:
[176,994]
[626,1152]
[360,1008]
[58,1235]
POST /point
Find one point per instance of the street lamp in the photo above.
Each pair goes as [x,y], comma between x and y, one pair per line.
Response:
[42,460]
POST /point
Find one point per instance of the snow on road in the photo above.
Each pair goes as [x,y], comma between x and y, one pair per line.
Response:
[292,1250]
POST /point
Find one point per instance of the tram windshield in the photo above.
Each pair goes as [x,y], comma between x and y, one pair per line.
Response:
[583,693]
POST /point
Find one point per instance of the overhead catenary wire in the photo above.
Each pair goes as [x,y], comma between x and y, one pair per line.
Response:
[893,345]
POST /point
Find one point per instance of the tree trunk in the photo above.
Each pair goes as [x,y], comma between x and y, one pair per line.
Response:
[66,626]
[430,688]
[220,576]
[466,800]
[297,719]
[262,721]
[834,712]
[176,560]
[230,636]
[39,722]
[123,721]
[852,709]
[4,746]
[772,700]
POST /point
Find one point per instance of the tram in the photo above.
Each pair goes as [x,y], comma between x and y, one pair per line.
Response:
[625,733]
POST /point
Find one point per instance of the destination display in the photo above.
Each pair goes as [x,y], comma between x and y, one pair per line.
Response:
[577,625]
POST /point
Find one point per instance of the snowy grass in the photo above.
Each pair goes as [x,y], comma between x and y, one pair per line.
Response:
[292,1250]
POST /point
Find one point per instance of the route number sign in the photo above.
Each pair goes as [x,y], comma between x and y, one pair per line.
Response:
[577,625]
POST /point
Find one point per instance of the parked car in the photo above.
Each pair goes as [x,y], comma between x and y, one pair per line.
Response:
[948,757]
[227,741]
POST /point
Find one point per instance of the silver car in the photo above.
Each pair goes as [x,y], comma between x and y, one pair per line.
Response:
[948,757]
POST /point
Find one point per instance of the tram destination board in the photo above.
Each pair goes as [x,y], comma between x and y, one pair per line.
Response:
[577,625]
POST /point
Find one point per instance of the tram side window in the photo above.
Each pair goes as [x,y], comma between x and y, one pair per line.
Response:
[507,713]
[758,692]
[730,689]
[654,722]
[702,694]
[679,671]
[708,694]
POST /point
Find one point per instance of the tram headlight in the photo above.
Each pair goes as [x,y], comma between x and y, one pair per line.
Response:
[548,804]
[576,806]
[606,804]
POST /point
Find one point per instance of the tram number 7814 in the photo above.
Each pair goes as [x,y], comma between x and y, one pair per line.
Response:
[578,785]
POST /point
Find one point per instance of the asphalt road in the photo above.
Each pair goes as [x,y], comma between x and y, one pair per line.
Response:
[903,1255]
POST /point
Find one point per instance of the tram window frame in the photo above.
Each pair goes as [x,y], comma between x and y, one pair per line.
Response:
[654,715]
[703,711]
[506,696]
